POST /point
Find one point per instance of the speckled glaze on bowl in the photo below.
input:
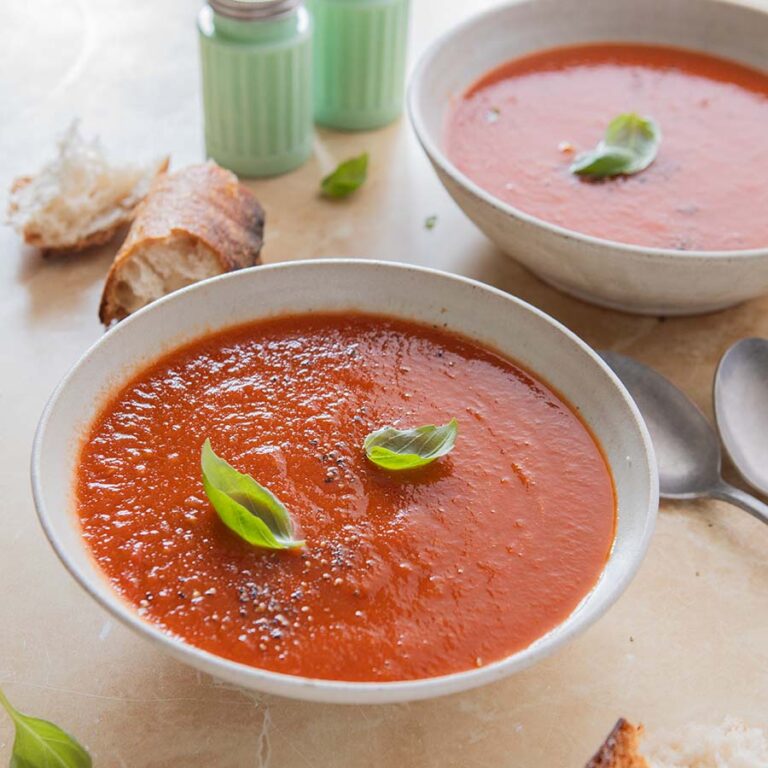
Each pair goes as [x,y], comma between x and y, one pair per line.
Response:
[490,316]
[638,279]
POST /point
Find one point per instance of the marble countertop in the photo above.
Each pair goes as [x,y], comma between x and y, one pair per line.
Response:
[687,642]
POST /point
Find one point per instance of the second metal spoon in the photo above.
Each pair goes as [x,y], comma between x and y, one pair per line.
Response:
[741,409]
[686,445]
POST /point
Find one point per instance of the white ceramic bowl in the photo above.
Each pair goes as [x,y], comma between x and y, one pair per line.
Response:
[633,278]
[490,316]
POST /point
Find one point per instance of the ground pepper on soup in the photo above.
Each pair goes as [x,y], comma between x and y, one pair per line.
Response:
[404,575]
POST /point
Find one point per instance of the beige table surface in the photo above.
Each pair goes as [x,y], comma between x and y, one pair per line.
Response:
[688,641]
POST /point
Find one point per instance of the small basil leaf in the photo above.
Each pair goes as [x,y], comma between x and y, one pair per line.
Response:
[639,135]
[41,744]
[630,145]
[602,162]
[245,507]
[397,449]
[347,177]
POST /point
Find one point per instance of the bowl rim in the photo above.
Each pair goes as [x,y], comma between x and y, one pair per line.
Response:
[440,158]
[319,689]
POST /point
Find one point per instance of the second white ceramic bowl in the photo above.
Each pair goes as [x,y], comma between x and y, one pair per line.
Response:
[633,278]
[516,329]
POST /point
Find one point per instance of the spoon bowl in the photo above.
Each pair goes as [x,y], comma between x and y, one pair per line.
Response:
[687,448]
[741,409]
[686,445]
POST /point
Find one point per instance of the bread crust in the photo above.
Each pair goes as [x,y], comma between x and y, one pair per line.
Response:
[203,202]
[620,748]
[98,237]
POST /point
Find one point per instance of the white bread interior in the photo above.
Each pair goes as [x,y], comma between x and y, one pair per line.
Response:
[160,267]
[729,745]
[78,199]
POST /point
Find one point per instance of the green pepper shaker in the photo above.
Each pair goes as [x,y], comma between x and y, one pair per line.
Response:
[256,58]
[359,61]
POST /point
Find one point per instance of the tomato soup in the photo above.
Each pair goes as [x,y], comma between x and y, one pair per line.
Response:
[404,575]
[516,132]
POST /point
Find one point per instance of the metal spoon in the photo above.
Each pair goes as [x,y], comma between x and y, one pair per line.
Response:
[686,445]
[741,409]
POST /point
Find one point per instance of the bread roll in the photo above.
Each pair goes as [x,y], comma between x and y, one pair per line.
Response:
[195,223]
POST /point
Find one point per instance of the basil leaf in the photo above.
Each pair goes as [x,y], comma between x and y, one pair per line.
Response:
[347,177]
[601,163]
[41,744]
[630,145]
[398,449]
[245,507]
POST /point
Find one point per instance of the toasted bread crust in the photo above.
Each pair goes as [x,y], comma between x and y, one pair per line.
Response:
[98,237]
[620,749]
[204,202]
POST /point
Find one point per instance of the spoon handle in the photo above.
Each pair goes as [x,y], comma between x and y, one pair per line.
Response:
[741,499]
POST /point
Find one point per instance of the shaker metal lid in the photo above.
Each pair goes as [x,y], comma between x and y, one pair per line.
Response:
[249,10]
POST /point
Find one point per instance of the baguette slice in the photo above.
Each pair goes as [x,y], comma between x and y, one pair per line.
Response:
[620,749]
[78,199]
[195,223]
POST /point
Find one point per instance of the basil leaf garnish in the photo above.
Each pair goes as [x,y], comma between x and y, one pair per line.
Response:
[245,507]
[40,744]
[398,449]
[629,146]
[347,177]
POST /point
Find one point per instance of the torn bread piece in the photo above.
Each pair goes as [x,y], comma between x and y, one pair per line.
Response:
[78,199]
[620,749]
[731,744]
[195,223]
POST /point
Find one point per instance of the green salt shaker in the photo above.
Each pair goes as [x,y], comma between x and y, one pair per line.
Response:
[256,58]
[359,61]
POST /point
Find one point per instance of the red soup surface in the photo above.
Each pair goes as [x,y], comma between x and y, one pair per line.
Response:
[517,130]
[404,575]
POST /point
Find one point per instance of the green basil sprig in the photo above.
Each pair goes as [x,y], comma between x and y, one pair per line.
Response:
[629,146]
[245,507]
[398,449]
[348,176]
[41,744]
